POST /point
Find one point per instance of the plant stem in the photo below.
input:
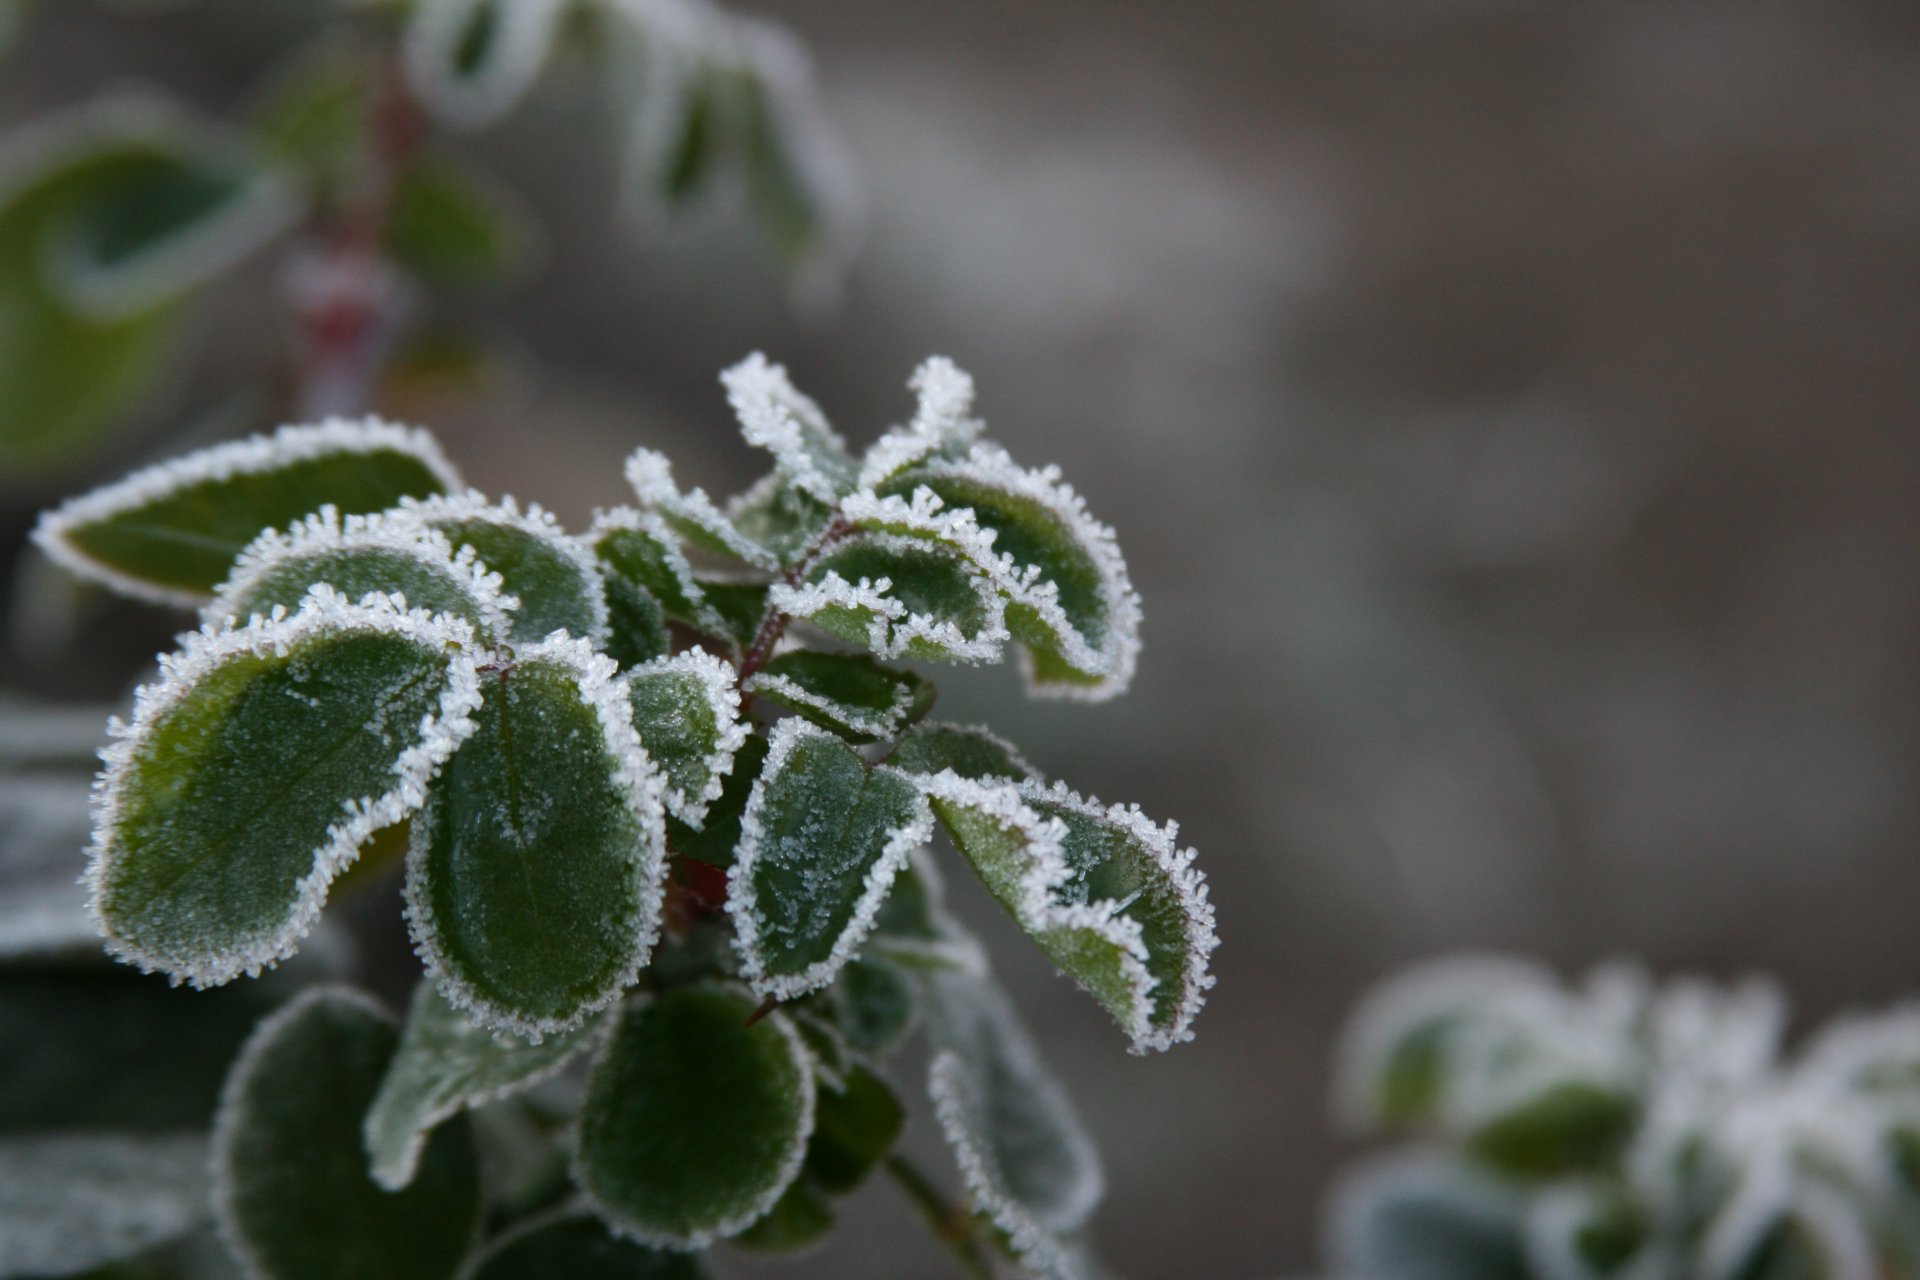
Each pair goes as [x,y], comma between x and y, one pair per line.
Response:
[773,623]
[951,1223]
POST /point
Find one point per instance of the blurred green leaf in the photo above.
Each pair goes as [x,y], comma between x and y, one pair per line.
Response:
[854,1129]
[579,1247]
[448,224]
[799,1218]
[74,1201]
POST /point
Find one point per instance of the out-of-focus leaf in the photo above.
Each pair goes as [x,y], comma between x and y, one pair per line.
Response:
[876,1004]
[577,1246]
[1427,1218]
[471,61]
[854,1129]
[74,1201]
[313,117]
[448,223]
[800,1218]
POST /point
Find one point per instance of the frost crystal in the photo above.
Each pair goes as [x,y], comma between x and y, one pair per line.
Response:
[692,514]
[552,573]
[777,418]
[697,674]
[942,423]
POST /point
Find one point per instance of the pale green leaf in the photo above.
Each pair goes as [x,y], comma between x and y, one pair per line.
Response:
[823,836]
[445,1065]
[551,573]
[687,713]
[1427,1217]
[70,1202]
[290,1172]
[535,876]
[256,767]
[171,533]
[849,693]
[695,1121]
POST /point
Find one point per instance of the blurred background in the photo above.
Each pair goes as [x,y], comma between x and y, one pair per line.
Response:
[1507,409]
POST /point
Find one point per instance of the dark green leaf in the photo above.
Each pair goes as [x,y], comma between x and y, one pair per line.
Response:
[875,1004]
[853,1131]
[823,836]
[579,1247]
[171,533]
[901,597]
[740,606]
[691,515]
[972,751]
[719,835]
[447,223]
[535,877]
[639,548]
[800,1218]
[695,1122]
[687,713]
[1427,1218]
[1566,1128]
[290,1171]
[636,624]
[256,768]
[552,574]
[849,693]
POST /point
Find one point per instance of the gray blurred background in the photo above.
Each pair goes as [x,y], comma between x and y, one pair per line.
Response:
[1507,409]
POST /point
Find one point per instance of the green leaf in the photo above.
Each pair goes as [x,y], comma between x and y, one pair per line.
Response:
[972,751]
[823,836]
[853,1131]
[1068,596]
[719,834]
[255,769]
[535,877]
[914,928]
[640,548]
[692,515]
[1583,1232]
[576,1246]
[875,1004]
[740,605]
[695,1122]
[313,117]
[1570,1126]
[901,597]
[446,1064]
[1027,1162]
[290,1172]
[449,223]
[471,61]
[791,190]
[1109,896]
[807,453]
[1427,1218]
[943,426]
[849,693]
[171,533]
[636,624]
[551,573]
[780,517]
[687,713]
[75,1201]
[390,552]
[800,1218]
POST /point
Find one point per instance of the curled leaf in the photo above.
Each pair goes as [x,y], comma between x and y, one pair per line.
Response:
[686,710]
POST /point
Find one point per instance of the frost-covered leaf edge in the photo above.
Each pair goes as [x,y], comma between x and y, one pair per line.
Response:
[625,519]
[717,679]
[536,522]
[651,476]
[942,419]
[876,725]
[323,612]
[776,416]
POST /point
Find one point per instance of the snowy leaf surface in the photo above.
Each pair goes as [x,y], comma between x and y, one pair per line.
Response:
[823,836]
[551,573]
[171,533]
[535,875]
[969,750]
[692,515]
[255,768]
[446,1064]
[1108,895]
[302,1085]
[391,553]
[471,61]
[849,693]
[775,416]
[719,833]
[687,713]
[578,1246]
[1026,1160]
[1068,596]
[942,429]
[901,597]
[71,1202]
[1426,1217]
[695,1122]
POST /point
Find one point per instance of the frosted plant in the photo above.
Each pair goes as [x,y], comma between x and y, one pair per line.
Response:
[1625,1131]
[666,803]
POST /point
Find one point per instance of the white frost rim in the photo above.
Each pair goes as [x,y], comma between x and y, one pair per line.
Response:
[790,1162]
[864,721]
[787,737]
[537,523]
[522,39]
[252,456]
[634,776]
[693,512]
[942,420]
[323,613]
[398,531]
[650,525]
[715,678]
[774,415]
[893,630]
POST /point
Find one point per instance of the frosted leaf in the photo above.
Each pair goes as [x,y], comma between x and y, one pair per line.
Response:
[573,1245]
[782,518]
[719,832]
[695,1120]
[640,547]
[875,1003]
[291,1188]
[72,1202]
[901,597]
[848,693]
[256,767]
[552,574]
[1424,1217]
[775,416]
[471,61]
[854,1128]
[1069,599]
[387,552]
[915,929]
[1580,1231]
[170,533]
[1023,1154]
[1108,895]
[970,750]
[691,515]
[44,828]
[686,710]
[446,1064]
[823,836]
[538,863]
[943,425]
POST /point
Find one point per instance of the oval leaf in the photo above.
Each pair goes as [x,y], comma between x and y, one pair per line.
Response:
[446,1064]
[171,533]
[536,870]
[579,1247]
[695,1121]
[551,574]
[849,693]
[255,769]
[687,713]
[901,597]
[969,750]
[823,836]
[290,1173]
